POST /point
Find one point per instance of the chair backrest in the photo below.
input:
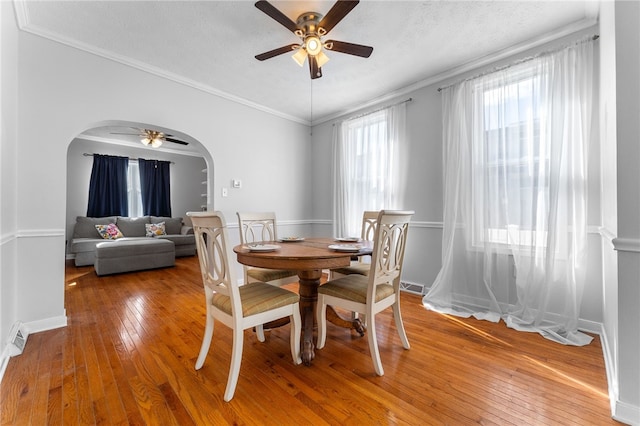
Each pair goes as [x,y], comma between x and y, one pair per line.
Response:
[388,249]
[369,221]
[214,253]
[255,227]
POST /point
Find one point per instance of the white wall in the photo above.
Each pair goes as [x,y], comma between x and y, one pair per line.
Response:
[8,196]
[609,194]
[424,186]
[186,177]
[627,243]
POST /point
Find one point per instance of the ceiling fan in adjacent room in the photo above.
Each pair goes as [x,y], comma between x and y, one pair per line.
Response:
[153,137]
[311,27]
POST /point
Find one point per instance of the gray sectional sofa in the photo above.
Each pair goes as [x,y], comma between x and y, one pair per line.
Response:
[86,237]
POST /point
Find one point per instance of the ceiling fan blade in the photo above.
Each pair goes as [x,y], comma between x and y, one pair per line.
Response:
[276,52]
[314,69]
[274,13]
[339,10]
[349,48]
[169,139]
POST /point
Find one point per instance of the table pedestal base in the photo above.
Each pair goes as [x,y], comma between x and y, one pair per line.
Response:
[308,290]
[354,323]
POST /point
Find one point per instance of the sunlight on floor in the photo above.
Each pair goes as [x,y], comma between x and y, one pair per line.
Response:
[566,376]
[475,330]
[557,372]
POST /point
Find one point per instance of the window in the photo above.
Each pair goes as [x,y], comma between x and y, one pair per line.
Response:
[134,194]
[370,154]
[366,151]
[510,162]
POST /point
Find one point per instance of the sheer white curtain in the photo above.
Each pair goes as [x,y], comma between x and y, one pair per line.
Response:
[515,162]
[367,172]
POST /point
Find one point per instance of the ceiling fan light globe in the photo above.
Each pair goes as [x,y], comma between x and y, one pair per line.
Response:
[321,59]
[313,45]
[156,143]
[145,141]
[300,56]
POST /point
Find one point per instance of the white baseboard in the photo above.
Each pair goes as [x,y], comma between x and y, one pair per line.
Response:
[609,365]
[626,413]
[4,360]
[47,324]
[620,411]
[590,326]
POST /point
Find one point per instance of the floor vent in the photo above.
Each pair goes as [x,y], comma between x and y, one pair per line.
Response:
[412,287]
[18,339]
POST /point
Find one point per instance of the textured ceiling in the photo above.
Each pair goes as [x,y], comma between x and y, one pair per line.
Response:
[211,44]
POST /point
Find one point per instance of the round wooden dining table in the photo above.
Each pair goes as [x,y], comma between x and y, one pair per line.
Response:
[309,257]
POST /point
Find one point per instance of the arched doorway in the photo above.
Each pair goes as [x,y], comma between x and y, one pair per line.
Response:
[191,168]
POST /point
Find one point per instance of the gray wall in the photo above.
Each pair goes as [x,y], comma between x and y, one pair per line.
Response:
[609,184]
[627,243]
[8,173]
[186,177]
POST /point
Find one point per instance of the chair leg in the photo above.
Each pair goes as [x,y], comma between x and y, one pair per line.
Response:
[236,360]
[206,342]
[321,320]
[400,325]
[260,333]
[295,332]
[373,346]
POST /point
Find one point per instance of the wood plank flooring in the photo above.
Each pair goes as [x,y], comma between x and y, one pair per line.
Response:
[127,357]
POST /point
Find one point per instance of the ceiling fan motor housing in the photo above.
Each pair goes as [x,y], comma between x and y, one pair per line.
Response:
[308,24]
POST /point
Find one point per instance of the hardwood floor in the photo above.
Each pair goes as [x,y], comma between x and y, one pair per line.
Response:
[127,357]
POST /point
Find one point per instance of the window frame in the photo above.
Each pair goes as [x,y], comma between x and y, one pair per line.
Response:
[508,236]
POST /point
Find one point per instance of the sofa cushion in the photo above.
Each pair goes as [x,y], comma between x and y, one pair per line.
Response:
[131,246]
[154,229]
[109,232]
[172,225]
[133,226]
[86,226]
[81,245]
[179,240]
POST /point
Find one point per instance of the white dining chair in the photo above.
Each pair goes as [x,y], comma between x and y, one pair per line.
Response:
[375,292]
[237,307]
[257,227]
[363,263]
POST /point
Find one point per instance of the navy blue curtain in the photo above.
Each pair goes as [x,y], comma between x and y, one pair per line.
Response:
[108,186]
[155,187]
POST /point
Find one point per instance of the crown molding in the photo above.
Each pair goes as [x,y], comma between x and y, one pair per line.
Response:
[24,24]
[468,67]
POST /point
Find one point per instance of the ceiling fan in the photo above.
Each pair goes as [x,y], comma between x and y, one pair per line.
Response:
[153,137]
[311,27]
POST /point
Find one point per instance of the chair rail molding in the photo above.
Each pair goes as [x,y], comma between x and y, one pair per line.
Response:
[626,244]
[37,233]
[7,237]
